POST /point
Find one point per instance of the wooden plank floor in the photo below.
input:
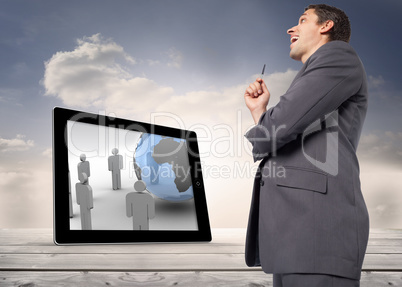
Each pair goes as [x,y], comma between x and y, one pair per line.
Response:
[28,257]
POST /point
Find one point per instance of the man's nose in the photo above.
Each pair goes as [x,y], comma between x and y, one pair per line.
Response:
[291,30]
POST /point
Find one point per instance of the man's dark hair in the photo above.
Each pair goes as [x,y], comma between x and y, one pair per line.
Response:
[341,30]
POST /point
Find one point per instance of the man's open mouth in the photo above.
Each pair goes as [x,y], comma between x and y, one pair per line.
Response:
[294,39]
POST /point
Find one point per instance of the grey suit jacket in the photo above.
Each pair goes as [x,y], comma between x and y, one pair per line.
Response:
[307,213]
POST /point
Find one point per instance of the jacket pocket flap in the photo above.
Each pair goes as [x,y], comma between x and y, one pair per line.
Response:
[303,179]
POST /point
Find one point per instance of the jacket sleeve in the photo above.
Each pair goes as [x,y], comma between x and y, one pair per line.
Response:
[330,76]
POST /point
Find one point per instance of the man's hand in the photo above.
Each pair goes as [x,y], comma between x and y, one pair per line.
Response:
[256,97]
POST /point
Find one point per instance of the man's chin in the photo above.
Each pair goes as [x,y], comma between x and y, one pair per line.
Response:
[295,56]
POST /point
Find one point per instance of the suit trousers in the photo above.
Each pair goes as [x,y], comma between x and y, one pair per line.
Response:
[312,280]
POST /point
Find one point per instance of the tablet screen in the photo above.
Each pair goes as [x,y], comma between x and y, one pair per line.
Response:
[121,181]
[161,162]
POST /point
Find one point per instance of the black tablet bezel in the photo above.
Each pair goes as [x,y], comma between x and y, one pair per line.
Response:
[63,234]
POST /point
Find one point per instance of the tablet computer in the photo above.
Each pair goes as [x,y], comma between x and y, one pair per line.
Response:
[123,181]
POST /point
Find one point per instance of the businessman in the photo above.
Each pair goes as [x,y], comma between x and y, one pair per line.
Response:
[310,227]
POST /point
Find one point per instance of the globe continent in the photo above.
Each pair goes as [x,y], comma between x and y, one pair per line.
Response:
[162,163]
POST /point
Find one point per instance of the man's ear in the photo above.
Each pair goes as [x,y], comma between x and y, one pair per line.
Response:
[327,26]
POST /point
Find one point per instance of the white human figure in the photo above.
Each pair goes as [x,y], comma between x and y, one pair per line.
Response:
[115,165]
[85,201]
[70,199]
[141,206]
[83,167]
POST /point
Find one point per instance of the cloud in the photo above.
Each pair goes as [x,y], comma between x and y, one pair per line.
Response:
[11,96]
[381,147]
[93,76]
[382,191]
[26,194]
[16,144]
[218,114]
[278,83]
[48,153]
[394,136]
[384,96]
[153,62]
[380,156]
[375,82]
[205,106]
[222,105]
[176,58]
[12,179]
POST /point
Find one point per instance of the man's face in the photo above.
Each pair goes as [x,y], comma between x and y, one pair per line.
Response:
[306,37]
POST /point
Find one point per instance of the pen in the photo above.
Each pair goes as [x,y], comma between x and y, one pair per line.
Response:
[263,70]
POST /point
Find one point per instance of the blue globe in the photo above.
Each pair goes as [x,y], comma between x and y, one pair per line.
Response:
[162,163]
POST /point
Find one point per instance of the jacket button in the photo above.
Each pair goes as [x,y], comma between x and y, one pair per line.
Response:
[261,182]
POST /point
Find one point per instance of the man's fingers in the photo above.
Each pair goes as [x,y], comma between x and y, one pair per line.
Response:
[257,85]
[254,89]
[249,92]
[264,87]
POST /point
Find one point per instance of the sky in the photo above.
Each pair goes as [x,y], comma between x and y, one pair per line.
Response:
[186,64]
